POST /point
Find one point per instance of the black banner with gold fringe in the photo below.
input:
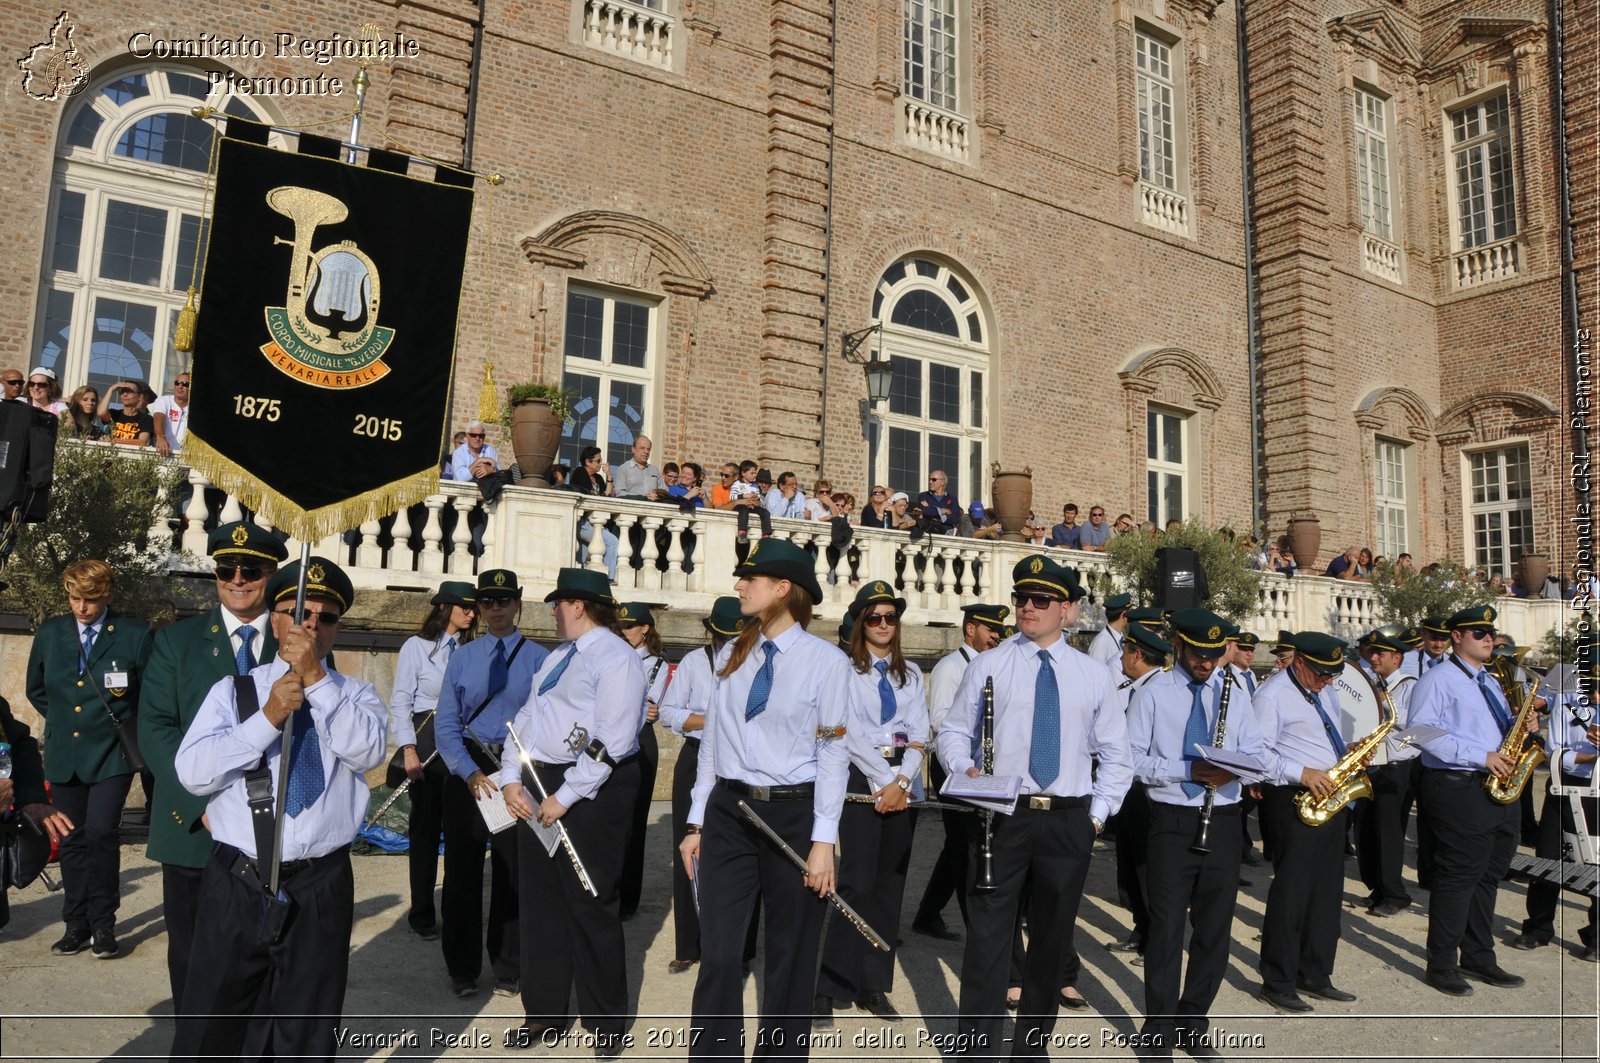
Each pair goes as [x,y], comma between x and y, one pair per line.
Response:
[326,336]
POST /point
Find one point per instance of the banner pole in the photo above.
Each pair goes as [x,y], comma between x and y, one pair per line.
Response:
[284,761]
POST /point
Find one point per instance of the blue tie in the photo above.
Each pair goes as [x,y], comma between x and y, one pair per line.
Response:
[761,689]
[1434,660]
[497,670]
[1195,733]
[88,644]
[1327,725]
[449,647]
[549,682]
[887,707]
[244,660]
[1250,682]
[305,759]
[1501,717]
[1044,750]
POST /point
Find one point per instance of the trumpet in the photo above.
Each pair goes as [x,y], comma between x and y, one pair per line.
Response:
[529,775]
[1515,747]
[984,882]
[1201,844]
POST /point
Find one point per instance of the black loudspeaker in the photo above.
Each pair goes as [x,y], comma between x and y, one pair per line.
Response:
[1180,579]
[27,461]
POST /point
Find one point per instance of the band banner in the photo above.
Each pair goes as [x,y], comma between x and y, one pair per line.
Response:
[325,342]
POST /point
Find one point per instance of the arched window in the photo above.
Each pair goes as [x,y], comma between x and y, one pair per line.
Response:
[125,225]
[933,334]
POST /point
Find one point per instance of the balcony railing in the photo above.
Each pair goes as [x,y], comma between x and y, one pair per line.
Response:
[1164,209]
[936,129]
[683,559]
[1380,257]
[633,31]
[1490,262]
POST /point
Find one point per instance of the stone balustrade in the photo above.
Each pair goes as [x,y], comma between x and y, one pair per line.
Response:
[936,129]
[1490,262]
[1164,209]
[634,31]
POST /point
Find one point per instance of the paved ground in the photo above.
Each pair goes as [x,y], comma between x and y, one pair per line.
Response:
[81,1008]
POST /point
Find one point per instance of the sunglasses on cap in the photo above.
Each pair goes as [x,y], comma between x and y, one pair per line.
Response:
[880,619]
[1038,601]
[251,573]
[494,601]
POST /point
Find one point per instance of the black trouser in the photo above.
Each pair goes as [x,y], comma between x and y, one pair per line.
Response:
[1247,805]
[91,856]
[685,919]
[1051,850]
[1133,847]
[1425,843]
[1187,887]
[1544,896]
[1381,833]
[949,873]
[632,885]
[285,997]
[572,940]
[423,830]
[872,880]
[740,868]
[462,933]
[180,909]
[1300,933]
[1474,838]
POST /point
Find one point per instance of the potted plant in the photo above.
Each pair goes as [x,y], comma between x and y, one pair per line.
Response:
[534,414]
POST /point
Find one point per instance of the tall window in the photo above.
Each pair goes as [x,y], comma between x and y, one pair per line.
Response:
[1166,465]
[936,418]
[930,52]
[1391,495]
[608,366]
[124,230]
[1501,508]
[1372,163]
[1156,93]
[1480,156]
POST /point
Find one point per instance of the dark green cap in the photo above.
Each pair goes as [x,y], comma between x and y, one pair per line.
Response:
[875,593]
[1477,617]
[242,541]
[726,619]
[1381,640]
[781,559]
[500,581]
[1144,638]
[1202,630]
[324,579]
[1248,640]
[1436,625]
[1411,636]
[1117,603]
[581,585]
[455,592]
[635,614]
[1284,643]
[1323,653]
[991,615]
[1147,618]
[1039,573]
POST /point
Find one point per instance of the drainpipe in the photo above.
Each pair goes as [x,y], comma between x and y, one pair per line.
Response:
[1578,353]
[476,64]
[827,236]
[1251,300]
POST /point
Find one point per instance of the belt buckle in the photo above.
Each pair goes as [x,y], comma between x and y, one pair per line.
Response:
[761,793]
[887,751]
[1039,802]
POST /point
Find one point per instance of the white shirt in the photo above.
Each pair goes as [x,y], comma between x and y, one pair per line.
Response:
[657,673]
[945,680]
[171,419]
[1293,727]
[1158,717]
[868,735]
[418,675]
[693,683]
[219,750]
[1107,646]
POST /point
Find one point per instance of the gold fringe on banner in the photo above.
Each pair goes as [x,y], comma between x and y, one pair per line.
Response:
[308,526]
[183,332]
[489,409]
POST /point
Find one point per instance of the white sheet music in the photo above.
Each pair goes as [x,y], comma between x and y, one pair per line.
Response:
[995,792]
[494,812]
[1248,768]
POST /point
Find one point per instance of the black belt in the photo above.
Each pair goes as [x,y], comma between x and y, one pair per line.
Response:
[245,867]
[792,792]
[1460,774]
[563,765]
[1194,810]
[894,755]
[1049,802]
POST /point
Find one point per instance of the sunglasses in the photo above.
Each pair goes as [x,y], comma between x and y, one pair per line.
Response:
[494,601]
[326,616]
[1476,633]
[45,384]
[474,435]
[251,573]
[1038,601]
[17,383]
[881,619]
[180,383]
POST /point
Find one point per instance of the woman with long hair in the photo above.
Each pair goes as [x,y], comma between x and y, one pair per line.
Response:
[589,478]
[876,513]
[44,391]
[638,626]
[451,621]
[773,744]
[886,732]
[79,417]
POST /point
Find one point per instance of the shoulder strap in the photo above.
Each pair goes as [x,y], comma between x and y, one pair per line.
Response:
[258,780]
[484,704]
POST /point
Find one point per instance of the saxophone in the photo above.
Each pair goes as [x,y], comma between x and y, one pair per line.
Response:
[1349,775]
[1524,755]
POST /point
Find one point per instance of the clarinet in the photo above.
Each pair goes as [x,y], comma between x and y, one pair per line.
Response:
[984,880]
[1200,846]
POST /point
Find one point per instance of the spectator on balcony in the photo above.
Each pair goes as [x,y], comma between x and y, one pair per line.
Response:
[1067,534]
[1095,534]
[820,505]
[1285,564]
[44,392]
[900,517]
[13,382]
[638,478]
[1034,532]
[475,457]
[985,524]
[721,491]
[559,475]
[1123,524]
[745,496]
[131,425]
[1343,566]
[669,475]
[589,480]
[689,490]
[876,514]
[79,418]
[786,500]
[940,512]
[171,415]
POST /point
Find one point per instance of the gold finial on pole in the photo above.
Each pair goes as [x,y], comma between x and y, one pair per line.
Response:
[489,396]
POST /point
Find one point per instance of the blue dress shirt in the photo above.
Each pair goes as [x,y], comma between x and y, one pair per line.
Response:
[466,682]
[866,734]
[461,460]
[1449,698]
[1158,715]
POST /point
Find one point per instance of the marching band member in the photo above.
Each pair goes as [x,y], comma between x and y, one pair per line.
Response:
[1381,844]
[772,740]
[638,625]
[486,682]
[581,727]
[1054,709]
[1174,712]
[1107,644]
[981,629]
[886,733]
[1474,835]
[1144,656]
[1300,933]
[1282,650]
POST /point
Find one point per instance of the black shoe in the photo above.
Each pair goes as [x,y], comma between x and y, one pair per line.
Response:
[1289,1002]
[935,928]
[1328,992]
[1199,1048]
[822,1012]
[878,1003]
[608,1046]
[1589,953]
[1448,982]
[72,942]
[679,966]
[463,987]
[1137,961]
[426,933]
[1252,858]
[1494,975]
[506,987]
[105,945]
[1527,942]
[1133,944]
[1075,1003]
[1385,909]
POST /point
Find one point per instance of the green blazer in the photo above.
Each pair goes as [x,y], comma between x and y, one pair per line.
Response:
[188,660]
[80,741]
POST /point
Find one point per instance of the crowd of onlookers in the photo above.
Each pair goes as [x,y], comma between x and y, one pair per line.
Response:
[140,417]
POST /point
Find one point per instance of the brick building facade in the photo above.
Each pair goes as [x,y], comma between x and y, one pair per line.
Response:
[1042,204]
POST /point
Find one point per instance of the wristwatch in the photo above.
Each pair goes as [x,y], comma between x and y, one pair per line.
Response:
[903,782]
[1099,825]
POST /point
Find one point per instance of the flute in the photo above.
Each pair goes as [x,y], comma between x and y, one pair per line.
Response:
[561,828]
